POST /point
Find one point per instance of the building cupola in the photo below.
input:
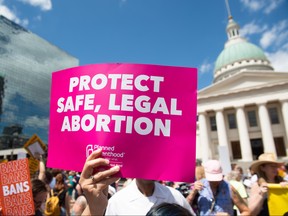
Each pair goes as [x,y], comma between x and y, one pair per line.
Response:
[238,54]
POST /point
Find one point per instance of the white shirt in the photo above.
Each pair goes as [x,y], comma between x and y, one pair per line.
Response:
[130,201]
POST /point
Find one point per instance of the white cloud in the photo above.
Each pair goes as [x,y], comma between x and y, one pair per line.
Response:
[266,5]
[5,11]
[11,15]
[205,67]
[267,39]
[279,59]
[272,5]
[35,121]
[44,5]
[252,28]
[38,18]
[253,5]
[276,36]
[8,116]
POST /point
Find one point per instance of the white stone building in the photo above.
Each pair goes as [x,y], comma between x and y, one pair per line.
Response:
[245,110]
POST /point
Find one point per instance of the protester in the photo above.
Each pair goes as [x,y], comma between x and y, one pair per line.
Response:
[141,195]
[215,195]
[60,190]
[199,174]
[44,174]
[266,168]
[235,179]
[71,183]
[95,188]
[283,171]
[168,209]
[39,191]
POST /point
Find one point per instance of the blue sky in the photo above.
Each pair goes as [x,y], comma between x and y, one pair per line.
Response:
[185,33]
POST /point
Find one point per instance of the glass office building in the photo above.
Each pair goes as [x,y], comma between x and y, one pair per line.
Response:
[26,64]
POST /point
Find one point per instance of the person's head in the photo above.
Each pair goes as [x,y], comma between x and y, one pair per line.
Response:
[199,173]
[168,209]
[55,172]
[72,173]
[213,171]
[239,169]
[234,175]
[39,191]
[60,183]
[266,166]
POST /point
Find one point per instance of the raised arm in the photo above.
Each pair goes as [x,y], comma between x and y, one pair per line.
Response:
[239,202]
[95,186]
[197,186]
[258,194]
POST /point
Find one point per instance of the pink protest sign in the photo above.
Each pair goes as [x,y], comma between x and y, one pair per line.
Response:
[142,116]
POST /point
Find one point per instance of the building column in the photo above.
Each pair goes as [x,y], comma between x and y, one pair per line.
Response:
[221,129]
[284,107]
[245,144]
[204,137]
[266,129]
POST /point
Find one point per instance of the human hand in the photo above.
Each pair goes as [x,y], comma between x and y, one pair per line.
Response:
[263,189]
[38,156]
[95,186]
[284,184]
[198,185]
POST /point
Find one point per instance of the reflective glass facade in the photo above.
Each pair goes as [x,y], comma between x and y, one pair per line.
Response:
[26,64]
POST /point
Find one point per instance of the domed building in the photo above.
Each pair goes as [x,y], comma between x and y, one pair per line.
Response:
[245,111]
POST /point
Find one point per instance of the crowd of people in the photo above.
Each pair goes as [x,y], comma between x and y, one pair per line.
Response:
[212,193]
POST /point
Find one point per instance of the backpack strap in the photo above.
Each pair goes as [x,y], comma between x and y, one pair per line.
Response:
[57,194]
[60,192]
[52,192]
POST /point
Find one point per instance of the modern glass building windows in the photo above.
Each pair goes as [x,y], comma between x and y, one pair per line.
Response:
[26,64]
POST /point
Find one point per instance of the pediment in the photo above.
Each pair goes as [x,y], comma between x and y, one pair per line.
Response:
[243,81]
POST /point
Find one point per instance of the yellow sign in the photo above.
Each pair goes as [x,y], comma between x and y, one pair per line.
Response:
[3,161]
[35,145]
[277,199]
[33,165]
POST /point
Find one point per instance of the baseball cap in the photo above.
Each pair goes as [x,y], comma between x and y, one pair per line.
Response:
[213,170]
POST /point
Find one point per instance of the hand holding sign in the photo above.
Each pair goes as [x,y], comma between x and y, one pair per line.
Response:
[95,185]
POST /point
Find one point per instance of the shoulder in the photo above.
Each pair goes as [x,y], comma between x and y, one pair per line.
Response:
[119,201]
[164,190]
[176,197]
[124,193]
[169,193]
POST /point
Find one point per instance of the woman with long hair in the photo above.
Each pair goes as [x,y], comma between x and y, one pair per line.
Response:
[266,169]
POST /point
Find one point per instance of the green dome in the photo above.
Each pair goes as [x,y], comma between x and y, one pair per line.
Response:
[238,52]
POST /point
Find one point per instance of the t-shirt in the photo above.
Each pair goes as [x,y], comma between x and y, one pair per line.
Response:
[130,201]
